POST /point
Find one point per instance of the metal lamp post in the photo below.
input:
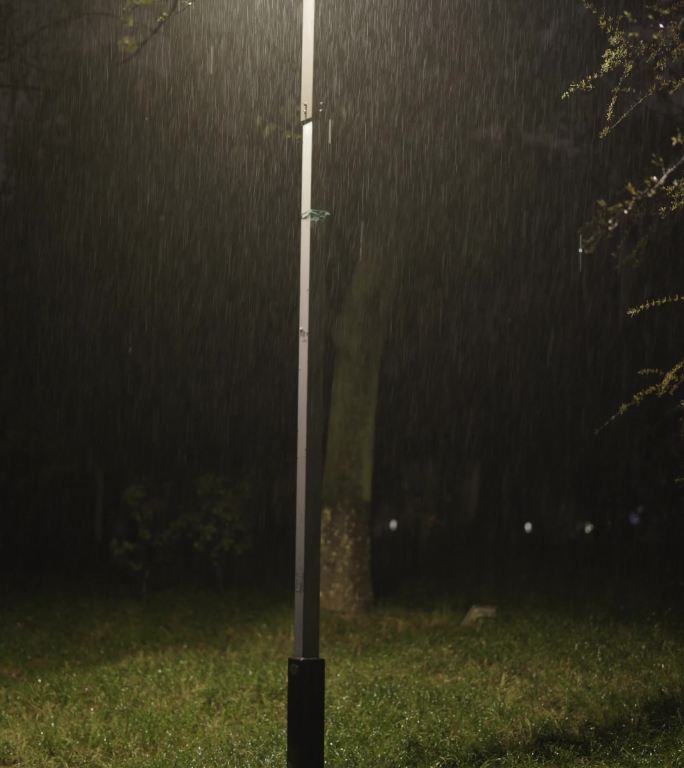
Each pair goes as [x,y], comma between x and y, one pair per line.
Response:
[306,671]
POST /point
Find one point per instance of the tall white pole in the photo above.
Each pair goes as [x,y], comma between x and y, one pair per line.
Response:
[306,671]
[306,561]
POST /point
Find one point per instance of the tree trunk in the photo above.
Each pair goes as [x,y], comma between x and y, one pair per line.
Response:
[348,473]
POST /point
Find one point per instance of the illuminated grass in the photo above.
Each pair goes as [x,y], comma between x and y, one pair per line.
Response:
[196,680]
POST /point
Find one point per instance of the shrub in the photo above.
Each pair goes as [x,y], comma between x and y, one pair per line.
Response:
[216,524]
[149,536]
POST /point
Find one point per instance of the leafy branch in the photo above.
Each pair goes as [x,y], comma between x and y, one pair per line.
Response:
[630,222]
[653,303]
[643,60]
[129,44]
[668,386]
[643,56]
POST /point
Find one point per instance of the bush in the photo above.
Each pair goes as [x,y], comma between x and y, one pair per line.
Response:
[216,525]
[211,520]
[149,537]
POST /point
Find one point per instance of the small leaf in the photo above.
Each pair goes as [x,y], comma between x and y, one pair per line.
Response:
[127,44]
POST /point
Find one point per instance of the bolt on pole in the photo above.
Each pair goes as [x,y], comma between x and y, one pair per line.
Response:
[306,671]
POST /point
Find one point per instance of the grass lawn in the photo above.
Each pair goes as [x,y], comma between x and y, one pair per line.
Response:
[193,680]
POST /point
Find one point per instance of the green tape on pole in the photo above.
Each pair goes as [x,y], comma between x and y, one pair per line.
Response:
[316,215]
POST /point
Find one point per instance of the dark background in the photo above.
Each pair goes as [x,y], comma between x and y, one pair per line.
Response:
[150,279]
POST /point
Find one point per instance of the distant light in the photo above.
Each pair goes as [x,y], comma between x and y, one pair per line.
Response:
[634,517]
[661,25]
[528,527]
[588,528]
[393,525]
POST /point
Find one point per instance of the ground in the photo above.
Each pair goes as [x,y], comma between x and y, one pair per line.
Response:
[196,680]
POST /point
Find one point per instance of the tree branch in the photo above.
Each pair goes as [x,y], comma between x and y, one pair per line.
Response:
[175,10]
[65,21]
[668,173]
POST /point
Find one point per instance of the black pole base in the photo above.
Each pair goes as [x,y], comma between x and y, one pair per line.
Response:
[305,712]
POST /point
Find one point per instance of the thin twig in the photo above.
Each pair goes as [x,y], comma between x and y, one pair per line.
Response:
[668,173]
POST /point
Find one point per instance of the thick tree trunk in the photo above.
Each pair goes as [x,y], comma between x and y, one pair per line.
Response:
[348,473]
